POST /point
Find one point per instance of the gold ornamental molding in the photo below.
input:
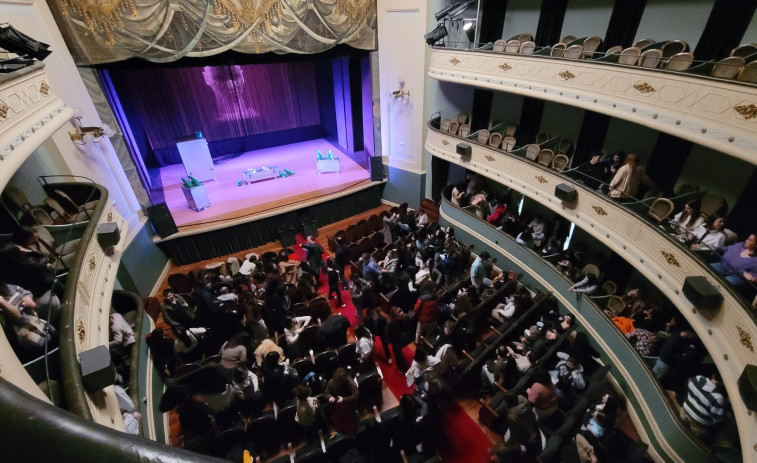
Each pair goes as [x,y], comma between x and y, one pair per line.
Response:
[671,258]
[454,61]
[748,111]
[110,217]
[505,67]
[745,338]
[92,264]
[445,142]
[644,87]
[566,75]
[541,179]
[81,332]
[4,110]
[44,88]
[489,157]
[599,210]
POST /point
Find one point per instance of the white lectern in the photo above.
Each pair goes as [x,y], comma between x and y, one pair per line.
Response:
[195,156]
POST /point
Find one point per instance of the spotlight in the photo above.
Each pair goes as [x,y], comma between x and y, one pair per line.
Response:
[470,29]
[436,35]
[21,44]
[460,8]
[443,12]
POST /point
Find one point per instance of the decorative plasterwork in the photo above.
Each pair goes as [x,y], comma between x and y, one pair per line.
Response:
[505,67]
[81,332]
[92,263]
[671,258]
[745,338]
[110,217]
[599,210]
[4,110]
[644,87]
[454,61]
[44,88]
[489,157]
[445,142]
[748,111]
[541,179]
[692,107]
[27,131]
[566,75]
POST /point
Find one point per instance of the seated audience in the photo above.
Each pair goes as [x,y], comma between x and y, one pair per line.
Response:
[22,321]
[589,285]
[364,348]
[293,326]
[176,311]
[308,413]
[686,222]
[710,235]
[738,264]
[234,351]
[625,184]
[478,275]
[542,395]
[187,343]
[262,349]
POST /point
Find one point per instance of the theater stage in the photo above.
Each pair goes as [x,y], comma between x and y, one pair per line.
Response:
[231,204]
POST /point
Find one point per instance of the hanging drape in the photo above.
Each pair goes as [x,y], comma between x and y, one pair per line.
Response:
[162,31]
[726,25]
[624,22]
[222,102]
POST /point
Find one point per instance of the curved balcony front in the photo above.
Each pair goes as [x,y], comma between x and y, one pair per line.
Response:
[716,113]
[726,331]
[652,413]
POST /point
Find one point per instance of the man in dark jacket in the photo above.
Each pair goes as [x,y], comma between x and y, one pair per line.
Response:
[342,258]
[314,257]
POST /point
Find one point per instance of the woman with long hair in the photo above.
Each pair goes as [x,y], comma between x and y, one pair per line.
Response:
[688,220]
[710,235]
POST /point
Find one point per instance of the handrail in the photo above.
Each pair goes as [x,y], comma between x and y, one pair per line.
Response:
[36,431]
[73,386]
[586,300]
[746,305]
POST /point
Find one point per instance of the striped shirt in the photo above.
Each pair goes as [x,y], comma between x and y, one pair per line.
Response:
[705,403]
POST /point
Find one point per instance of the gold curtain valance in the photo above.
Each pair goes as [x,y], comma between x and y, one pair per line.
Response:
[101,31]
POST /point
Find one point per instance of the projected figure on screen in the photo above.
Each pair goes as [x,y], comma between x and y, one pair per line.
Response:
[223,85]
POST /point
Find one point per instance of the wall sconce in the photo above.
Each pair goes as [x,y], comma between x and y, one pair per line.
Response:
[84,135]
[401,94]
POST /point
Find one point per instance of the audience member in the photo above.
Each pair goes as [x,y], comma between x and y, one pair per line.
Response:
[710,235]
[426,313]
[333,278]
[688,220]
[542,395]
[738,264]
[176,311]
[589,285]
[234,351]
[705,404]
[293,326]
[342,394]
[314,259]
[625,183]
[478,275]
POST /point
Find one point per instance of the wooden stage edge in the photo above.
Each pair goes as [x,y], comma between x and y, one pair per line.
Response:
[273,209]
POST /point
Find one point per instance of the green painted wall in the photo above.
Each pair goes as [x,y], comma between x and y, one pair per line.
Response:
[522,16]
[586,18]
[404,186]
[674,20]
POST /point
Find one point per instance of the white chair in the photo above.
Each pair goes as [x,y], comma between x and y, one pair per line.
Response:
[629,56]
[532,151]
[483,136]
[445,125]
[508,143]
[525,37]
[510,129]
[748,73]
[673,47]
[568,39]
[574,52]
[464,130]
[542,138]
[462,118]
[558,50]
[545,157]
[453,127]
[495,139]
[590,46]
[513,46]
[527,48]
[728,68]
[680,62]
[499,46]
[614,50]
[560,162]
[744,50]
[564,146]
[643,43]
[650,58]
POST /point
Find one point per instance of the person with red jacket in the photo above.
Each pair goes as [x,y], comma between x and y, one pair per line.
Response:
[426,312]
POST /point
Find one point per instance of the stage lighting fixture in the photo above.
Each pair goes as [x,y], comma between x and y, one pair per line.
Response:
[459,9]
[84,135]
[436,35]
[444,12]
[469,26]
[21,44]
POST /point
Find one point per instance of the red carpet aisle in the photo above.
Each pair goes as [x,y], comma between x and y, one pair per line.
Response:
[467,444]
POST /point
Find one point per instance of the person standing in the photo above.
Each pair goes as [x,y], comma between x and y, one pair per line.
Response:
[705,404]
[342,258]
[314,257]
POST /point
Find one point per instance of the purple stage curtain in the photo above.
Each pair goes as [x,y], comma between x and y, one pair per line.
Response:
[222,102]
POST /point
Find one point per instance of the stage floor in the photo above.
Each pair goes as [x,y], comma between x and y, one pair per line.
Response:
[229,202]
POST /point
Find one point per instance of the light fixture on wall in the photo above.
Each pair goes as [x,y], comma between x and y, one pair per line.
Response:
[84,135]
[401,94]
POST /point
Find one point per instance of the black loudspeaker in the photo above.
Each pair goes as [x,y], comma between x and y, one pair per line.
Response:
[108,234]
[566,193]
[463,149]
[309,227]
[162,220]
[287,236]
[436,35]
[701,293]
[96,370]
[748,387]
[377,169]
